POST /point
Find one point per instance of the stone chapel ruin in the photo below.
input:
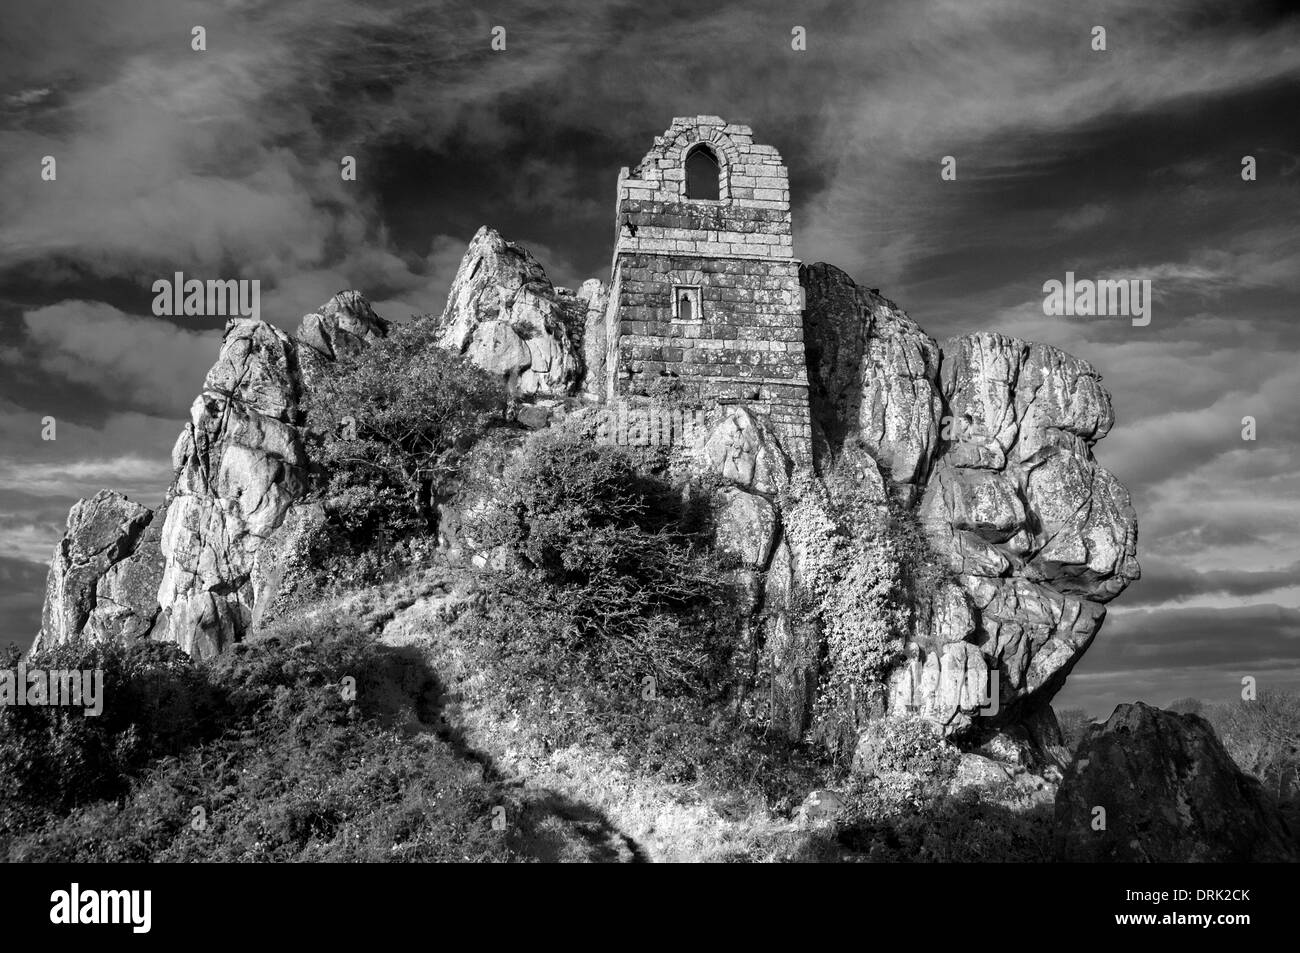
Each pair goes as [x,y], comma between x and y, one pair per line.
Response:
[705,286]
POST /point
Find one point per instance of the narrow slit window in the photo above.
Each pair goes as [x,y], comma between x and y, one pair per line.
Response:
[686,304]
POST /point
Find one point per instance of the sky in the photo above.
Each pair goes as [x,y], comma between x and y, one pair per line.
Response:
[1124,162]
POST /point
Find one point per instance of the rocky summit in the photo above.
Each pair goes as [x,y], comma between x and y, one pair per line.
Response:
[816,413]
[987,438]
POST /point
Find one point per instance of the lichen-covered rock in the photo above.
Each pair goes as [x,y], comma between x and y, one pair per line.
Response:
[872,371]
[978,773]
[946,616]
[1170,793]
[1017,469]
[126,597]
[239,467]
[338,330]
[595,295]
[507,317]
[975,501]
[947,685]
[102,532]
[1032,633]
[1086,539]
[1038,534]
[276,556]
[994,437]
[342,327]
[745,526]
[743,449]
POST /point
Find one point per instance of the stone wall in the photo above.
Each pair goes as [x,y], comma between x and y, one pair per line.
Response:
[745,344]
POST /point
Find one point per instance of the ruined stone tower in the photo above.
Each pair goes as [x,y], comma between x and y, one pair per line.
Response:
[705,287]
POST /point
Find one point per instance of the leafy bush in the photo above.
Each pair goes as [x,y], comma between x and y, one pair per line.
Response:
[610,622]
[1074,724]
[389,427]
[947,829]
[865,565]
[675,737]
[392,421]
[609,571]
[1263,737]
[1187,706]
[914,746]
[156,702]
[293,769]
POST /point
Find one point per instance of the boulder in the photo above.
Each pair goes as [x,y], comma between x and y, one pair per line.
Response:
[819,808]
[239,465]
[102,532]
[745,526]
[506,316]
[1170,793]
[126,596]
[595,345]
[342,327]
[872,371]
[978,773]
[1038,535]
[742,448]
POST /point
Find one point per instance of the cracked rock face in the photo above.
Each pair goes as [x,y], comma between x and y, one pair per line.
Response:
[89,575]
[990,438]
[506,316]
[187,573]
[338,331]
[743,450]
[594,295]
[872,372]
[1038,534]
[993,438]
[239,466]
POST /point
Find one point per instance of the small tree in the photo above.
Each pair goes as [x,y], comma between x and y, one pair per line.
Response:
[393,419]
[611,568]
[1263,737]
[1074,724]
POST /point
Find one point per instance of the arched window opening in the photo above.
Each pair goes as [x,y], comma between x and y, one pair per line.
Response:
[702,174]
[684,308]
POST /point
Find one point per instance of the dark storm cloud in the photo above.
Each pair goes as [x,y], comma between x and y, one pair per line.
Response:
[1246,637]
[1161,654]
[1164,581]
[22,588]
[139,363]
